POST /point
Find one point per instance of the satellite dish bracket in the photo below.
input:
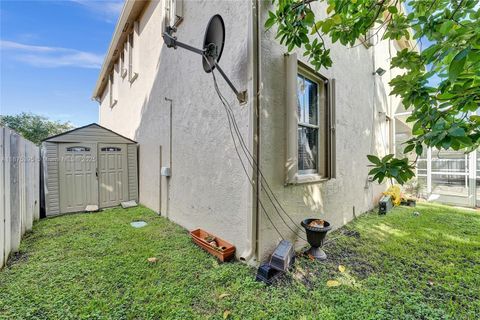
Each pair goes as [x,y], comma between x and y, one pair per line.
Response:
[172,42]
[211,51]
[242,95]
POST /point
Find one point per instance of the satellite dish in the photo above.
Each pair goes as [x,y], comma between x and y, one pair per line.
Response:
[213,42]
[211,52]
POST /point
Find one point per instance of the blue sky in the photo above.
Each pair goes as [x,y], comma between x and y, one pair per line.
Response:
[50,55]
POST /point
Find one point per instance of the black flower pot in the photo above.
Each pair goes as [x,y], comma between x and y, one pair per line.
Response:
[315,237]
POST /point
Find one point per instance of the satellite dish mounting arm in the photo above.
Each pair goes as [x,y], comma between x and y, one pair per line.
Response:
[211,52]
[172,42]
[241,96]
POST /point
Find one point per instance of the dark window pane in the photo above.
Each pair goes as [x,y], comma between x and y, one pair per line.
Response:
[300,100]
[111,149]
[78,149]
[307,97]
[312,98]
[307,148]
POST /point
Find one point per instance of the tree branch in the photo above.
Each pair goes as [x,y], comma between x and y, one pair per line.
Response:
[295,6]
[456,9]
[316,30]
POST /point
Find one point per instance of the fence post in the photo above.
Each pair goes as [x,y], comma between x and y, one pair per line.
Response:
[36,181]
[15,211]
[29,186]
[2,197]
[7,196]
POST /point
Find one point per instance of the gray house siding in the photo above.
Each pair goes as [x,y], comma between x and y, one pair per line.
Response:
[50,167]
[132,172]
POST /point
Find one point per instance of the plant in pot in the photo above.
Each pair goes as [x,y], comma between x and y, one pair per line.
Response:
[316,230]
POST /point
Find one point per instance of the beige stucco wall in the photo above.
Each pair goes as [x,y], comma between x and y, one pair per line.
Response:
[360,130]
[208,188]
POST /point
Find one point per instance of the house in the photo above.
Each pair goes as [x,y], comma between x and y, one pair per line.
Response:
[312,154]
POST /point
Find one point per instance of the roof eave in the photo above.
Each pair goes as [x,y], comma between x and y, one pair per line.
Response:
[120,28]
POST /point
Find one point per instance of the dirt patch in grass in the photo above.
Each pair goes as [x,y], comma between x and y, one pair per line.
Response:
[345,248]
[348,256]
[304,271]
[347,232]
[16,258]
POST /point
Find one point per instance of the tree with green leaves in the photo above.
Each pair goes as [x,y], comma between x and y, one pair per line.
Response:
[34,127]
[440,85]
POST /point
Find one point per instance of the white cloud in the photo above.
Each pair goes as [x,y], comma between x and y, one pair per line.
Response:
[50,57]
[5,45]
[107,9]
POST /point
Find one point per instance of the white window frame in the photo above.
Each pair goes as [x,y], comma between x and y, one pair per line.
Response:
[319,127]
[111,89]
[123,70]
[132,41]
[326,125]
[173,13]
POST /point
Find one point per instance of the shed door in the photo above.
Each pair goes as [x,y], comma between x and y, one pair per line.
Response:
[78,181]
[113,175]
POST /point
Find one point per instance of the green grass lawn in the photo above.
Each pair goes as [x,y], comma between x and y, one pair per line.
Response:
[94,266]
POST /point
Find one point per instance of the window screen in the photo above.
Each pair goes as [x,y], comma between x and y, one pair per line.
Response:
[308,124]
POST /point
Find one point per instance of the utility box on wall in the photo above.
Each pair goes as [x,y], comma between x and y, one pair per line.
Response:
[165,172]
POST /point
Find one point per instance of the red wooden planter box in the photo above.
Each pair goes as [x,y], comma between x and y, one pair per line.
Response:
[199,236]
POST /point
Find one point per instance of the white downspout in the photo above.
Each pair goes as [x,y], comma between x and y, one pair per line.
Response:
[250,254]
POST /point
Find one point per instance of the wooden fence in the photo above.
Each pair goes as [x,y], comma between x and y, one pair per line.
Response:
[19,190]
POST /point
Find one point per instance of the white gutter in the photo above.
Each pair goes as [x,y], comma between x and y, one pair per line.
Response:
[119,29]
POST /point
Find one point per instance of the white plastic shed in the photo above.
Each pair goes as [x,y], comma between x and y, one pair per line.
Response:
[90,165]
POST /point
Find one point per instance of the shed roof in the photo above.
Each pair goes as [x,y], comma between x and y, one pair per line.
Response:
[90,133]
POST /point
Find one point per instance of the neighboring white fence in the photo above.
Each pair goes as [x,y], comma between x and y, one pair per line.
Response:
[19,190]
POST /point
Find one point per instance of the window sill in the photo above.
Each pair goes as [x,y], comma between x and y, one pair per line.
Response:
[134,77]
[366,42]
[306,178]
